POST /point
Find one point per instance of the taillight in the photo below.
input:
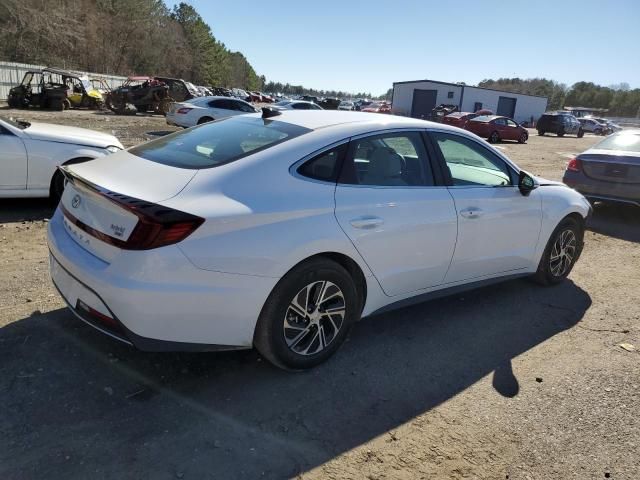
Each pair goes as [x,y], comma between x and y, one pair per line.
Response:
[158,226]
[574,165]
[184,110]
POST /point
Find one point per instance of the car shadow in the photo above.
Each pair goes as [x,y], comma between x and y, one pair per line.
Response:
[78,404]
[25,209]
[616,220]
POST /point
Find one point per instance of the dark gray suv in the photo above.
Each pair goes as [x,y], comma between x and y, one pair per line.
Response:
[559,123]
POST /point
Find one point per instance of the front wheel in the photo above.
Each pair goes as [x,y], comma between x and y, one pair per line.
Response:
[580,133]
[308,315]
[523,138]
[562,252]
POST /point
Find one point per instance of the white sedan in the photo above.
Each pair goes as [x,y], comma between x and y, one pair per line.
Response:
[30,154]
[296,105]
[280,232]
[206,109]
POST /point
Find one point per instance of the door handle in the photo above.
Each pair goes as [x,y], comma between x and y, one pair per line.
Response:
[367,222]
[471,212]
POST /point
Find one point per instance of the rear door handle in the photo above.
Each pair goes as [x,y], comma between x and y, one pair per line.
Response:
[366,222]
[471,212]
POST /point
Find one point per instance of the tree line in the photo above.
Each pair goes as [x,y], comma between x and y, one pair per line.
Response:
[619,99]
[121,37]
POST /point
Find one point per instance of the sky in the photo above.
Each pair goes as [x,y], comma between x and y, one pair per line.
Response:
[358,46]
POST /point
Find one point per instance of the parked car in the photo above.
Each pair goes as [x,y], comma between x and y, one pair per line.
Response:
[310,98]
[362,103]
[610,170]
[30,154]
[593,126]
[296,105]
[346,105]
[265,98]
[241,94]
[206,109]
[329,103]
[496,128]
[274,232]
[458,119]
[559,123]
[148,94]
[204,91]
[613,127]
[221,92]
[377,107]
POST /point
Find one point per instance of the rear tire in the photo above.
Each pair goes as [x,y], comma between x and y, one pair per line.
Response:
[561,253]
[580,133]
[494,137]
[560,133]
[294,331]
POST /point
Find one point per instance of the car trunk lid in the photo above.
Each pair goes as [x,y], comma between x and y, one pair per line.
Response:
[611,167]
[104,215]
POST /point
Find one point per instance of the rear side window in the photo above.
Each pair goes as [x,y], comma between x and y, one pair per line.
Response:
[389,160]
[217,143]
[325,166]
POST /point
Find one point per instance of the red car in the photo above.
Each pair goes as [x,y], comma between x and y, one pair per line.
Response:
[458,119]
[377,107]
[496,128]
[255,96]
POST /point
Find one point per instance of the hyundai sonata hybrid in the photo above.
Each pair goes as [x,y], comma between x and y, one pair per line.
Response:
[280,231]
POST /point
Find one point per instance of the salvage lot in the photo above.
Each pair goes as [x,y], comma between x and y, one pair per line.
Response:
[512,380]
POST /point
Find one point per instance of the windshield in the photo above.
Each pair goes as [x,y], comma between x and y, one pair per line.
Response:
[217,143]
[626,142]
[21,124]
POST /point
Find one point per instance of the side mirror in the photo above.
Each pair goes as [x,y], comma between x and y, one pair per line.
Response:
[526,183]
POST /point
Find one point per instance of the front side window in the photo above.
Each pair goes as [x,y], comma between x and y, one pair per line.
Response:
[511,123]
[391,160]
[471,164]
[217,143]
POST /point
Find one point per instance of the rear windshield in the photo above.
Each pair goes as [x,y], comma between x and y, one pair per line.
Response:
[627,142]
[483,118]
[217,143]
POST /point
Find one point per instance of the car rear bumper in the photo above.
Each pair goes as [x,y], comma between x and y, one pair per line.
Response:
[601,190]
[156,300]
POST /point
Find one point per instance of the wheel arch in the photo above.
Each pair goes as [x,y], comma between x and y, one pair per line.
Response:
[349,264]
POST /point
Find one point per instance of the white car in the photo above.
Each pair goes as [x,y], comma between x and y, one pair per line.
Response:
[280,232]
[30,154]
[296,105]
[206,109]
[345,105]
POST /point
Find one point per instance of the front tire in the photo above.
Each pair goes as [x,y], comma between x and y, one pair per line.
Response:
[562,252]
[523,138]
[308,315]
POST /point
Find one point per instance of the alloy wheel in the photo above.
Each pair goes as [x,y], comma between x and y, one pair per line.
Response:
[563,253]
[314,318]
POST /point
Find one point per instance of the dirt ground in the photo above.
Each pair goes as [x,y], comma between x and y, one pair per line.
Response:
[513,381]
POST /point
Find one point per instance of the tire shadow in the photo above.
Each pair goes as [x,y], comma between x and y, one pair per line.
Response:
[71,394]
[616,220]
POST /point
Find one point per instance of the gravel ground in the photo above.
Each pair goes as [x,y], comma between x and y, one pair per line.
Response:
[513,381]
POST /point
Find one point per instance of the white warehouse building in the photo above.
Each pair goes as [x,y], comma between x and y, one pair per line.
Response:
[418,98]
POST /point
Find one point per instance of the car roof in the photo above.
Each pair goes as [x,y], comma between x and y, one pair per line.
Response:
[317,119]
